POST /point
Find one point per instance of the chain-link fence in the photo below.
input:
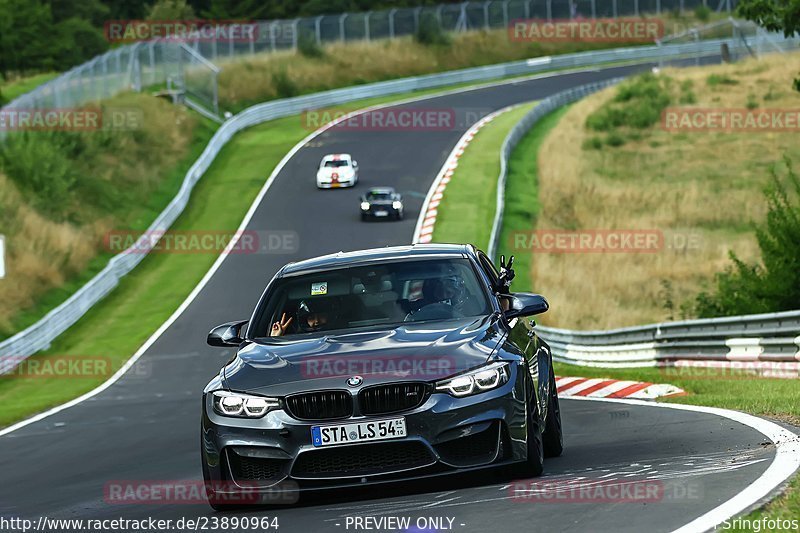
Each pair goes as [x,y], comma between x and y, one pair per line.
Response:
[190,65]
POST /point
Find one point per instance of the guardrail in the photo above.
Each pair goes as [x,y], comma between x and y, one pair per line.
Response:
[765,338]
[39,336]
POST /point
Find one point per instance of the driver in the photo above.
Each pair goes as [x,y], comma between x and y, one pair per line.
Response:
[311,316]
[444,295]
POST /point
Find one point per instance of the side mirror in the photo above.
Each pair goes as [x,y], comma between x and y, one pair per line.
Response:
[228,334]
[526,304]
[355,163]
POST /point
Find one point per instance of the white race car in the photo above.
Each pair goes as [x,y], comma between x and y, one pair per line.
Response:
[337,170]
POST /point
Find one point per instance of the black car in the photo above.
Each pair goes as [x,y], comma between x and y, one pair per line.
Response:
[379,365]
[381,202]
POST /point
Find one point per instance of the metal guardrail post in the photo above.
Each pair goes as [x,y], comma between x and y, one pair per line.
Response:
[318,30]
[391,22]
[342,18]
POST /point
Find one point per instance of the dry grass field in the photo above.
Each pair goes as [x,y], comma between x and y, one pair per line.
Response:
[701,190]
[262,77]
[60,193]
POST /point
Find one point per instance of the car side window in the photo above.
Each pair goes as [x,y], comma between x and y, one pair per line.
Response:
[489,268]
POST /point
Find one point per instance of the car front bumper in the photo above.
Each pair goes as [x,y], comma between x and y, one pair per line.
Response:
[444,435]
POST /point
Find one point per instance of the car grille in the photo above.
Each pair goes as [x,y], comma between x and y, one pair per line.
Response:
[383,399]
[362,460]
[321,405]
[255,468]
[472,450]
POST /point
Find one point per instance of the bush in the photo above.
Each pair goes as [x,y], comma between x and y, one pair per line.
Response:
[637,104]
[702,13]
[773,285]
[592,143]
[307,44]
[752,103]
[720,79]
[430,32]
[285,87]
[41,165]
[615,139]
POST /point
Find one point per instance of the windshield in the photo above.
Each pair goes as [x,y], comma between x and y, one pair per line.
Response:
[336,163]
[378,196]
[375,295]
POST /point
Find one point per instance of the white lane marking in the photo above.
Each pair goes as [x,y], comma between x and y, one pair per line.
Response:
[189,299]
[783,466]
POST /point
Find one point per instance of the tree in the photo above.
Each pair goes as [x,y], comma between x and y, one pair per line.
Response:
[774,15]
[773,285]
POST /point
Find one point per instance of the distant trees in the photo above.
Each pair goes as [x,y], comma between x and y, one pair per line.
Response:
[43,35]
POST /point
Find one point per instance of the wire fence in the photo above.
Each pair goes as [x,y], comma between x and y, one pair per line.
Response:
[191,65]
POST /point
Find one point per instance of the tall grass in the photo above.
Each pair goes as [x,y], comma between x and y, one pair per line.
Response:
[60,192]
[701,190]
[266,76]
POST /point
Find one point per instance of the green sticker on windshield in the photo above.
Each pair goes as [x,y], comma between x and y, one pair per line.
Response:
[319,288]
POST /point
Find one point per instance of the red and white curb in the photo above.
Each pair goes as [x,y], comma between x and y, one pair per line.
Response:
[424,230]
[613,388]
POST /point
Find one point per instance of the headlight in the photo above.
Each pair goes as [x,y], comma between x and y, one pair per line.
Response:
[243,405]
[397,205]
[479,380]
[365,206]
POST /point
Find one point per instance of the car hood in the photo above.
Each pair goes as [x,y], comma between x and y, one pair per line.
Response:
[327,172]
[410,352]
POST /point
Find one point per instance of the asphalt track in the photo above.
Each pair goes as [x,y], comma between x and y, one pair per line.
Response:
[145,426]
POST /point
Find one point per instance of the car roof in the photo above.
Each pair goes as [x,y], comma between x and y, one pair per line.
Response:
[387,253]
[336,157]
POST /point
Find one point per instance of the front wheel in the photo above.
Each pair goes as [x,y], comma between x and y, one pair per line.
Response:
[553,437]
[534,465]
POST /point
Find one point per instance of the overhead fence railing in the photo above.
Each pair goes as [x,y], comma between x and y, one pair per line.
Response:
[137,65]
[40,335]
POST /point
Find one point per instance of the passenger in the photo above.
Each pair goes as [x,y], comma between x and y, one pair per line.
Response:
[311,316]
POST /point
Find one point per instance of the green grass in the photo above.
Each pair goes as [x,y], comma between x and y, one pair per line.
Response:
[522,198]
[13,89]
[473,187]
[139,218]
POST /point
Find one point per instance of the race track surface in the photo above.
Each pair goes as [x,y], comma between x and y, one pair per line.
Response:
[146,426]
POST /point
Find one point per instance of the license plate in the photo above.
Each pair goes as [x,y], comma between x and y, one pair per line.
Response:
[373,430]
[381,213]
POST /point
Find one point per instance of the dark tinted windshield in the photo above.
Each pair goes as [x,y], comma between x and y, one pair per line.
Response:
[384,294]
[378,196]
[336,163]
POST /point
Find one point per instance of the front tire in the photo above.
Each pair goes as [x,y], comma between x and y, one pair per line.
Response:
[534,465]
[553,437]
